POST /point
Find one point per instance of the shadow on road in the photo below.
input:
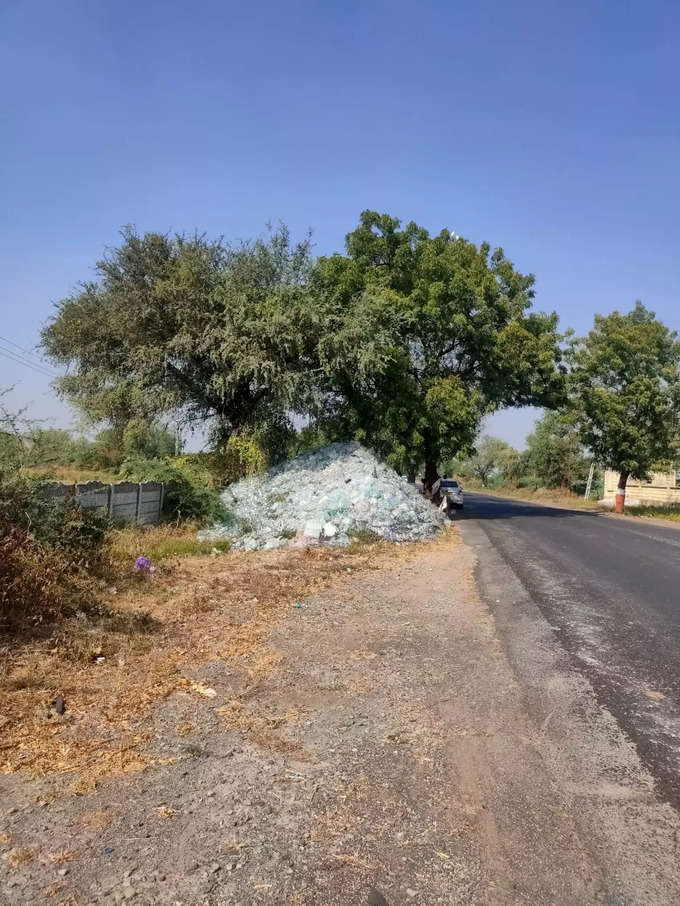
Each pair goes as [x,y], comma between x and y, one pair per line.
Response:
[478,506]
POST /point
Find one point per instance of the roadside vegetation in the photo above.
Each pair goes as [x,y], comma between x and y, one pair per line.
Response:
[404,342]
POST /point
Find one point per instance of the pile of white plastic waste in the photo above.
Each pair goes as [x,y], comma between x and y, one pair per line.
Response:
[330,496]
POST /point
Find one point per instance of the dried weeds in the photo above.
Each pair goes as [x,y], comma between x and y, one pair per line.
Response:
[195,610]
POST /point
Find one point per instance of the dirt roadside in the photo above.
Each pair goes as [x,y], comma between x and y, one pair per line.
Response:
[390,746]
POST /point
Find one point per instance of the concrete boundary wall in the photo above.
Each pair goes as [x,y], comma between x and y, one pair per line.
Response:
[125,501]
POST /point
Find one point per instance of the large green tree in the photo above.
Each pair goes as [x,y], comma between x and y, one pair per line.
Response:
[405,342]
[625,391]
[425,335]
[555,453]
[492,456]
[177,324]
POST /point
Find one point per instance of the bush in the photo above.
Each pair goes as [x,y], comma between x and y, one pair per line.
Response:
[189,489]
[241,456]
[48,555]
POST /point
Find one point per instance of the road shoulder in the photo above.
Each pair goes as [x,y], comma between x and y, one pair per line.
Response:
[633,835]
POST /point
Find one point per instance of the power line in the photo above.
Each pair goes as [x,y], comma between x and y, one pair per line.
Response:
[8,354]
[21,349]
[13,357]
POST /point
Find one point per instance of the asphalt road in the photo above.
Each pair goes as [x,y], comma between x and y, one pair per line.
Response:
[610,590]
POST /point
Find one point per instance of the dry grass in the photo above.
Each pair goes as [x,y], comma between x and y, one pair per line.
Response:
[71,474]
[151,633]
[159,542]
[648,511]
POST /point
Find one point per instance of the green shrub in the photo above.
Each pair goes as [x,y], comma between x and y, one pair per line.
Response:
[240,457]
[187,547]
[189,489]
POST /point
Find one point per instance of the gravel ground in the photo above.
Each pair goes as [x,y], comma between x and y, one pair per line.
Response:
[388,751]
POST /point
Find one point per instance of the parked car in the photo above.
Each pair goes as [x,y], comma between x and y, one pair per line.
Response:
[454,492]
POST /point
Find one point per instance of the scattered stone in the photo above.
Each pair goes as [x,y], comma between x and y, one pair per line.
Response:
[62,872]
[59,704]
[410,893]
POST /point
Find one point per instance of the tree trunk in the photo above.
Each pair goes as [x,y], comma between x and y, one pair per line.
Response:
[431,474]
[620,499]
[411,477]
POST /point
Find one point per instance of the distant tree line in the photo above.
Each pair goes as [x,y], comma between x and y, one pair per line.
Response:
[32,446]
[554,458]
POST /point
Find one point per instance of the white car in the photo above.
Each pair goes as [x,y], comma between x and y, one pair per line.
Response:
[454,491]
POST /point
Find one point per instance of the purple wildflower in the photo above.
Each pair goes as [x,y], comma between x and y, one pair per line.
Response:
[143,564]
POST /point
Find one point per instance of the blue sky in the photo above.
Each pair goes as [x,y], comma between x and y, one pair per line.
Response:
[551,129]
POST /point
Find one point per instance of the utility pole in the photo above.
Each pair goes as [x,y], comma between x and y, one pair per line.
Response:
[589,483]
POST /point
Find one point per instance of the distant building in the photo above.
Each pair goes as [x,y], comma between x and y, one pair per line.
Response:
[662,488]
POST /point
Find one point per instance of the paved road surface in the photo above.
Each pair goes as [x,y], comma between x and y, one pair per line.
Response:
[610,590]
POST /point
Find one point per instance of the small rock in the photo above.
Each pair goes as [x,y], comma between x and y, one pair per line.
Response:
[215,867]
[59,704]
[410,893]
[62,872]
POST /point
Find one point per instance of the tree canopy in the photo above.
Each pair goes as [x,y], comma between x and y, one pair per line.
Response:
[185,324]
[492,456]
[625,391]
[404,343]
[451,339]
[555,453]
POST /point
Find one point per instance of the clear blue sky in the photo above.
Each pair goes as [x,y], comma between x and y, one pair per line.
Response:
[551,129]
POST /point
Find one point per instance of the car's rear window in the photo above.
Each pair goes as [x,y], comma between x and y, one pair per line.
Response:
[450,484]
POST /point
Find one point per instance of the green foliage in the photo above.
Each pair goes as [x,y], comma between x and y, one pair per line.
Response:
[49,446]
[12,451]
[189,491]
[424,335]
[65,526]
[177,323]
[670,511]
[242,456]
[308,439]
[186,547]
[625,391]
[555,454]
[404,343]
[492,456]
[13,428]
[112,445]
